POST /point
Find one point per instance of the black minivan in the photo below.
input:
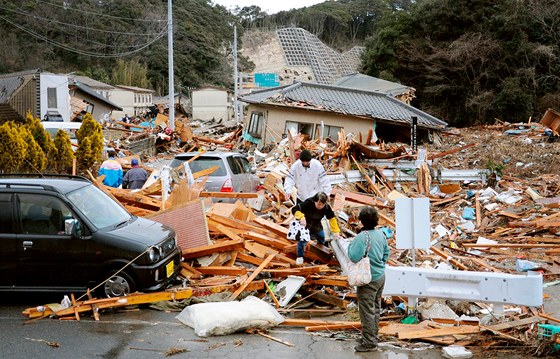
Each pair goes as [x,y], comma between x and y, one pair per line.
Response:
[63,233]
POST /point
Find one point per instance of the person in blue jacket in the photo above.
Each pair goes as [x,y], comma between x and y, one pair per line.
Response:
[112,170]
[369,295]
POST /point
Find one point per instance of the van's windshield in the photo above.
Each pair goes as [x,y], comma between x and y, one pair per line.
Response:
[101,210]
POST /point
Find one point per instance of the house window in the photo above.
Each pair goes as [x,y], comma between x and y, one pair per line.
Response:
[299,127]
[51,97]
[256,124]
[328,132]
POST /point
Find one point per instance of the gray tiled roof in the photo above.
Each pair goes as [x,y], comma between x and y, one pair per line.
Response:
[369,83]
[91,83]
[86,89]
[346,101]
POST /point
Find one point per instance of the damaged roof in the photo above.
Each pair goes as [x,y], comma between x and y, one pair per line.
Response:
[346,101]
[369,83]
[89,91]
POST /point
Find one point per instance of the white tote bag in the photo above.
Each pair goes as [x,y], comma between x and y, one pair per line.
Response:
[360,273]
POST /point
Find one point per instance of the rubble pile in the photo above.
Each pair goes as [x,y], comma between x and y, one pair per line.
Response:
[494,195]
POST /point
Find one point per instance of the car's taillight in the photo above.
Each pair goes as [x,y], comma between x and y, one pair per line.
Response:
[227,186]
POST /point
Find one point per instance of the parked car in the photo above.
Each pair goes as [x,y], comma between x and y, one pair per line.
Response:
[69,127]
[234,173]
[63,233]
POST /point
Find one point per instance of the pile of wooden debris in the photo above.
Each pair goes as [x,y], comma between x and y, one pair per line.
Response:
[482,220]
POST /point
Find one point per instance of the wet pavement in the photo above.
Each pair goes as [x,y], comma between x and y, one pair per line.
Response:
[147,333]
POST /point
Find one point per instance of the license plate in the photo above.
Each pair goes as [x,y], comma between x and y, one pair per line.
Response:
[169,269]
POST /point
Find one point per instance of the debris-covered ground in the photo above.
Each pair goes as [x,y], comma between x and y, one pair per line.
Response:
[494,195]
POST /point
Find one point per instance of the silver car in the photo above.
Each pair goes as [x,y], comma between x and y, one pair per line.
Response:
[234,173]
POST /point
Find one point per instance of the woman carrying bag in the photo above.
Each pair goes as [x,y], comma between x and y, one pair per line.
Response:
[370,242]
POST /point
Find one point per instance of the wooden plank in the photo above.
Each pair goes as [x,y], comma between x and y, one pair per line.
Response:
[229,194]
[516,323]
[368,179]
[330,299]
[211,249]
[501,334]
[228,232]
[330,327]
[219,270]
[359,198]
[511,245]
[205,172]
[301,271]
[193,270]
[445,256]
[478,212]
[264,240]
[445,153]
[251,277]
[276,302]
[428,333]
[276,228]
[246,226]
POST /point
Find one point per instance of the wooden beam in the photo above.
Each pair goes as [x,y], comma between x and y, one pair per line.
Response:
[428,333]
[220,270]
[448,152]
[229,194]
[368,179]
[329,327]
[267,241]
[276,228]
[205,172]
[511,245]
[251,277]
[211,249]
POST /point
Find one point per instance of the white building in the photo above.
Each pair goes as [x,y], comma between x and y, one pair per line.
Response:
[210,103]
[134,101]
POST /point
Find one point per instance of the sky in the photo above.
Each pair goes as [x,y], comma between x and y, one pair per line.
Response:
[270,6]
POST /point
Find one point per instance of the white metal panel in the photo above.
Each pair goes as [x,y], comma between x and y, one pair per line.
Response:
[499,288]
[413,223]
[60,83]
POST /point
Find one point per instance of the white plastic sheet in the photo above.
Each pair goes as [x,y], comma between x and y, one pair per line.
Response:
[222,318]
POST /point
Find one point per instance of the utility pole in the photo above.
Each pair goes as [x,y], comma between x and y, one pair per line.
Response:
[235,76]
[170,61]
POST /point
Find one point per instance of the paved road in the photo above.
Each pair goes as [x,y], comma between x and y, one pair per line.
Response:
[148,333]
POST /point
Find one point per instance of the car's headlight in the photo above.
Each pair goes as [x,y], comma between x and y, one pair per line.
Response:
[154,254]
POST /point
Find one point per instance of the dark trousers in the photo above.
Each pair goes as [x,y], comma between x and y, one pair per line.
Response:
[301,248]
[369,305]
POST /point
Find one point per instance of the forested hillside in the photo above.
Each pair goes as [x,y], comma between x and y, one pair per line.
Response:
[91,36]
[473,60]
[470,60]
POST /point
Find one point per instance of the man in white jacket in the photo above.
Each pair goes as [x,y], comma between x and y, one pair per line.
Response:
[308,176]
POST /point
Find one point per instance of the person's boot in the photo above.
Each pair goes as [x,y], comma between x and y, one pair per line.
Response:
[299,261]
[365,348]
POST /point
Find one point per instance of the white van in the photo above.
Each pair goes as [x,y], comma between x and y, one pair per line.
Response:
[70,128]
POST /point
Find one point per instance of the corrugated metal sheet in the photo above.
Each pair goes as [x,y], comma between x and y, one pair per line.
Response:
[189,223]
[345,101]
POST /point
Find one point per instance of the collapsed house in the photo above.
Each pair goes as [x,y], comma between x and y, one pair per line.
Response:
[322,111]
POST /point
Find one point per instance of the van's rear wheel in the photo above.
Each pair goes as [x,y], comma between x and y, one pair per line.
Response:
[119,285]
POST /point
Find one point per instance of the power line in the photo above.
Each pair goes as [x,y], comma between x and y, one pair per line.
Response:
[97,13]
[77,26]
[78,51]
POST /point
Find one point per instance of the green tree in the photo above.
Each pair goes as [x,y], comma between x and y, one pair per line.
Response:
[130,73]
[90,143]
[35,159]
[64,155]
[12,148]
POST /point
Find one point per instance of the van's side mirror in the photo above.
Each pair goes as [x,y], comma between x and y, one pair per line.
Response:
[71,227]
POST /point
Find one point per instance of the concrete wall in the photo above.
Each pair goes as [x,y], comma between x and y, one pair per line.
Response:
[275,118]
[210,104]
[60,83]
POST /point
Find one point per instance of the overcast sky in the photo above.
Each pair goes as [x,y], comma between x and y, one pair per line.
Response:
[270,6]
